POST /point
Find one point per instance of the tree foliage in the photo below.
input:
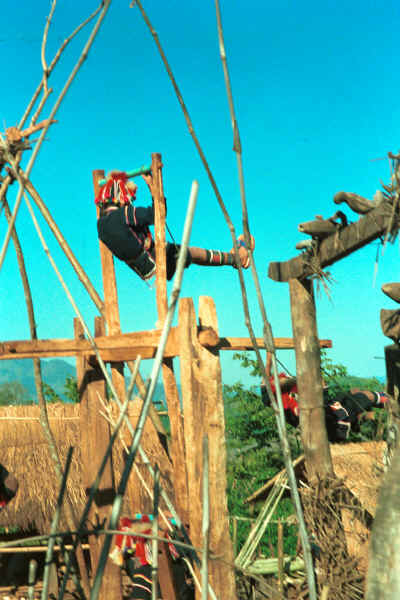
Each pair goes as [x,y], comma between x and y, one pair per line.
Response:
[70,391]
[13,393]
[254,454]
[253,446]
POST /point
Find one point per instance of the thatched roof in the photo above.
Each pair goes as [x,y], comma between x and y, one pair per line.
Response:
[24,452]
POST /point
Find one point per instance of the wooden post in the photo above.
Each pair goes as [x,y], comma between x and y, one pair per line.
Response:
[95,435]
[392,360]
[222,577]
[177,447]
[204,414]
[194,414]
[111,308]
[111,299]
[309,380]
[165,574]
[159,236]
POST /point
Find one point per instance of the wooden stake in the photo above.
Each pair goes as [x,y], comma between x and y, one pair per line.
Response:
[159,236]
[177,447]
[111,310]
[95,436]
[309,380]
[203,414]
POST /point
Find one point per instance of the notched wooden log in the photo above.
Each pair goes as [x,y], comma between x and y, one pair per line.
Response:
[336,246]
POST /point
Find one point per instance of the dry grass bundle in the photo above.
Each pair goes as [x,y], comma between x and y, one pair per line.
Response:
[361,468]
[24,452]
[336,569]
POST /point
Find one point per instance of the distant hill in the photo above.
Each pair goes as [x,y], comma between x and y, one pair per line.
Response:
[54,371]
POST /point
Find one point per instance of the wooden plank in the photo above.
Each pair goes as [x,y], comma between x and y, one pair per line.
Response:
[159,236]
[108,272]
[243,343]
[95,435]
[166,574]
[126,346]
[111,309]
[309,380]
[194,412]
[203,414]
[137,498]
[167,369]
[53,347]
[336,246]
[221,572]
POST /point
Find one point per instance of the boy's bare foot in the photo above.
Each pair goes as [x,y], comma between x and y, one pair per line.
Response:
[243,251]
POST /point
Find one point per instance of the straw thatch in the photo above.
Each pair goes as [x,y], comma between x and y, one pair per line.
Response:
[361,467]
[24,452]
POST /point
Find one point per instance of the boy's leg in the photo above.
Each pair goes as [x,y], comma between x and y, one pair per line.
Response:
[210,258]
[217,258]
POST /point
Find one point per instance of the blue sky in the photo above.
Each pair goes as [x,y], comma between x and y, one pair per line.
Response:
[315,90]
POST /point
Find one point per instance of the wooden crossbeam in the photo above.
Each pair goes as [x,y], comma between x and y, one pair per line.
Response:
[127,346]
[338,245]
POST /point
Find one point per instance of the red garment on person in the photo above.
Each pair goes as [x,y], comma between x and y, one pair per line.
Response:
[135,543]
[289,397]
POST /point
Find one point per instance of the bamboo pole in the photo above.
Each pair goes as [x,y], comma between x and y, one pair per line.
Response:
[267,327]
[150,390]
[93,490]
[234,536]
[33,565]
[154,531]
[54,527]
[95,437]
[269,566]
[177,448]
[278,408]
[245,555]
[81,59]
[34,549]
[280,561]
[79,270]
[51,67]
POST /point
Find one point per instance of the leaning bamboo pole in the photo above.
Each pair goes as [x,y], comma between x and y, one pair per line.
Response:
[150,390]
[81,529]
[54,527]
[268,336]
[177,446]
[43,418]
[79,270]
[267,327]
[154,531]
[76,68]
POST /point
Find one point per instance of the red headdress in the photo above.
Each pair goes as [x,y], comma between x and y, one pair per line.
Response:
[116,190]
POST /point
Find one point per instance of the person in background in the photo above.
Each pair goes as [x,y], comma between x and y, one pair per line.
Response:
[8,486]
[343,412]
[133,552]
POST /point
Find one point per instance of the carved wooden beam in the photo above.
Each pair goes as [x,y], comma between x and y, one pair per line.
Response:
[338,245]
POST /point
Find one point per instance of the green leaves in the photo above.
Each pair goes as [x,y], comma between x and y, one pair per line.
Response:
[13,393]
